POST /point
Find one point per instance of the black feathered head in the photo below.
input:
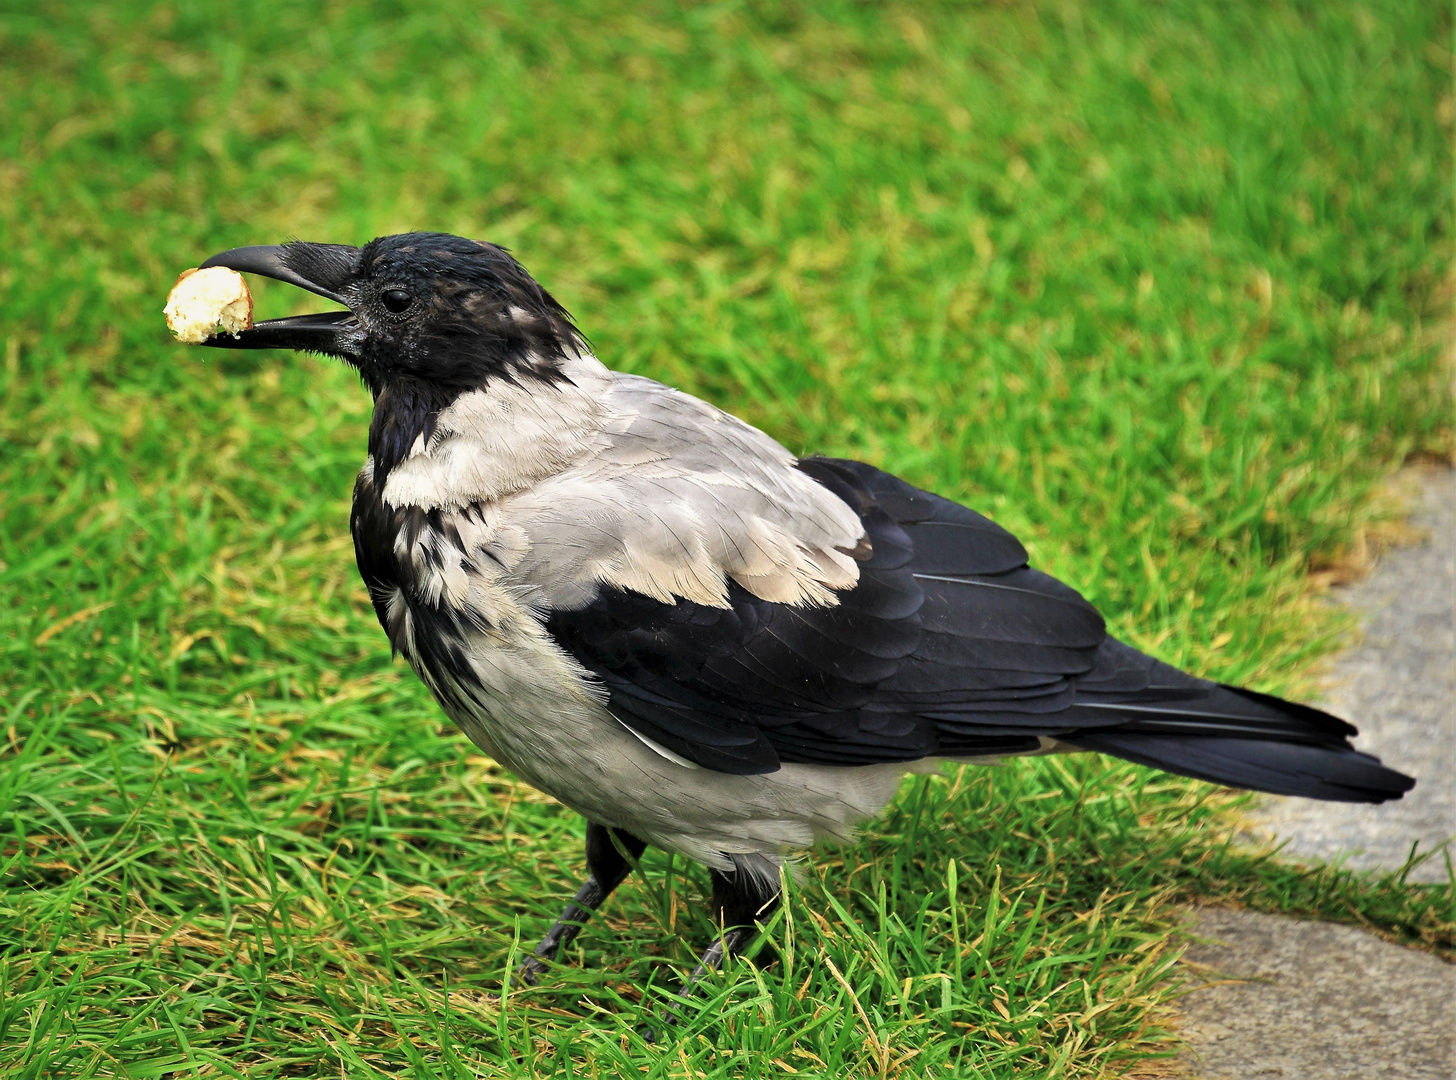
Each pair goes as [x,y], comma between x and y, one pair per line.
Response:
[441,312]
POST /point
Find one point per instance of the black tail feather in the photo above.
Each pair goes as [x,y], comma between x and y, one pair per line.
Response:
[1336,773]
[1227,735]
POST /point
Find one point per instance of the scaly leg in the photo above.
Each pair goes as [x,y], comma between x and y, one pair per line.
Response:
[739,900]
[608,869]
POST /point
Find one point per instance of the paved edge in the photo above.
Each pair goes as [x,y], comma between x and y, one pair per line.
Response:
[1276,998]
[1398,686]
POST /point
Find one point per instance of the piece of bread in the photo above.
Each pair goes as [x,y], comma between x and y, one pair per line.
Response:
[204,302]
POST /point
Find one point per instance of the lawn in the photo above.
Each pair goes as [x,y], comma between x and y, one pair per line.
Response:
[1160,287]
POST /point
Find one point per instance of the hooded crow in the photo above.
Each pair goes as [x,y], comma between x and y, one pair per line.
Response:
[656,614]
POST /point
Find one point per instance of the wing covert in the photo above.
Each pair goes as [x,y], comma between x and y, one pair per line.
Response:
[948,644]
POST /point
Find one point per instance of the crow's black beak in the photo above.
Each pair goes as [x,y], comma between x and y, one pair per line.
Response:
[325,269]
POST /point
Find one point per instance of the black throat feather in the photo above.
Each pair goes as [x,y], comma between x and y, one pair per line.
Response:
[404,411]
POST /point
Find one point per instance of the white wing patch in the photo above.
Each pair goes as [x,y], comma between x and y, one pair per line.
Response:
[657,748]
[616,480]
[679,497]
[491,443]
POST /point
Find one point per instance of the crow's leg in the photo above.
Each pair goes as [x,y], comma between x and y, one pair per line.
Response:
[608,867]
[739,900]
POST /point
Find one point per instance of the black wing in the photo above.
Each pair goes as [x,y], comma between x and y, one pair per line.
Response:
[951,646]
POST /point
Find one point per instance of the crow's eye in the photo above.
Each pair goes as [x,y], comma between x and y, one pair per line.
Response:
[396,300]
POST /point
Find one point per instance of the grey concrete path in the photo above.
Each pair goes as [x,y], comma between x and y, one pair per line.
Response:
[1284,999]
[1398,686]
[1314,1001]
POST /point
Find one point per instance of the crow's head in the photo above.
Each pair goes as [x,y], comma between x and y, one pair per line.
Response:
[429,310]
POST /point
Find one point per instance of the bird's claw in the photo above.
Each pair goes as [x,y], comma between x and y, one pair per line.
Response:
[529,973]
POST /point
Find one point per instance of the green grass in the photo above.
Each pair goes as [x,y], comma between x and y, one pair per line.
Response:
[1154,285]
